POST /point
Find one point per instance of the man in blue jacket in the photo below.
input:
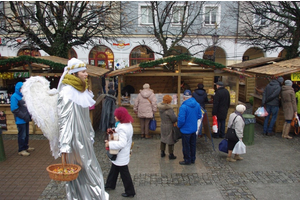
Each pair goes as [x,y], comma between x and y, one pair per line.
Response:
[189,113]
[271,100]
[22,118]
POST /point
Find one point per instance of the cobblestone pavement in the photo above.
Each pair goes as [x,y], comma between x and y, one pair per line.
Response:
[269,162]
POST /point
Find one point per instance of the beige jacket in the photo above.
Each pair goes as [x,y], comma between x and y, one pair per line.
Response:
[145,108]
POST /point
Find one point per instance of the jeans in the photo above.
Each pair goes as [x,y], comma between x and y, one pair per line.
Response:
[189,147]
[221,127]
[272,110]
[23,136]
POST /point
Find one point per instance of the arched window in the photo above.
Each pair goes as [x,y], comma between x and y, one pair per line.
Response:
[141,54]
[72,53]
[26,51]
[178,50]
[102,56]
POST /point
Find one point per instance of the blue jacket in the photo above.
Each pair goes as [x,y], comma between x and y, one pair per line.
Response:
[18,106]
[189,113]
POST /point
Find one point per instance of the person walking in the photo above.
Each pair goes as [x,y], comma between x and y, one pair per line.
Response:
[125,131]
[289,106]
[145,106]
[22,119]
[221,105]
[76,134]
[237,122]
[271,101]
[189,113]
[107,113]
[168,118]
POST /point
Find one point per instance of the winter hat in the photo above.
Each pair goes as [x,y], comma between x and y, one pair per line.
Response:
[240,108]
[123,116]
[187,93]
[146,86]
[200,86]
[280,79]
[111,92]
[220,83]
[75,65]
[288,82]
[167,99]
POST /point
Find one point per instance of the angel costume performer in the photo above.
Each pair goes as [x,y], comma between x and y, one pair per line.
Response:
[76,135]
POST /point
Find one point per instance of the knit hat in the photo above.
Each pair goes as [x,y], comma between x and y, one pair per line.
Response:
[111,92]
[288,82]
[122,115]
[240,108]
[220,83]
[280,79]
[200,86]
[146,86]
[187,93]
[167,99]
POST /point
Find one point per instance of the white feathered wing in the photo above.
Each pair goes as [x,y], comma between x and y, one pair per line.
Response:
[42,105]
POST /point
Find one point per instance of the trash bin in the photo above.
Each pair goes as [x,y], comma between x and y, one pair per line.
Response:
[250,120]
[2,152]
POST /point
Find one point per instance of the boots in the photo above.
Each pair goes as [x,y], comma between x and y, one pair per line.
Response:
[162,154]
[143,136]
[230,159]
[238,157]
[283,130]
[172,157]
[24,153]
[147,136]
[287,131]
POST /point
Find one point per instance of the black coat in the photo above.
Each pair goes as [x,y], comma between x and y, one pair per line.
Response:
[221,103]
[201,97]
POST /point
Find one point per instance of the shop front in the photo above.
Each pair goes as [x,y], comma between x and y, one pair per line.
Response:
[165,76]
[17,69]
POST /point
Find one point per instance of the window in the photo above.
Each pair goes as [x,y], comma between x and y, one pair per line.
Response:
[141,54]
[2,20]
[145,15]
[259,20]
[98,11]
[28,12]
[211,15]
[178,15]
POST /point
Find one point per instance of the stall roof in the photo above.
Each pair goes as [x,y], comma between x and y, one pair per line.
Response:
[278,68]
[54,62]
[255,62]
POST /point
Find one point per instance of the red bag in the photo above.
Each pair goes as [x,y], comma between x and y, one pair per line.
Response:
[215,124]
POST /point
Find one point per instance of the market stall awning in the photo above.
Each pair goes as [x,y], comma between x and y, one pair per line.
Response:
[255,62]
[43,62]
[124,70]
[278,68]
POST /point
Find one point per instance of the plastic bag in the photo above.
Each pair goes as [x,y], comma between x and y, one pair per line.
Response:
[239,148]
[215,124]
[199,122]
[261,112]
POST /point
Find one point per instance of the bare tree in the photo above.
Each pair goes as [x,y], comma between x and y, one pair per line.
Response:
[176,23]
[57,26]
[270,25]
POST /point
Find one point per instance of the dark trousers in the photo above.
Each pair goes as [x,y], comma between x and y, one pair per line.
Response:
[221,127]
[170,147]
[189,147]
[125,176]
[23,136]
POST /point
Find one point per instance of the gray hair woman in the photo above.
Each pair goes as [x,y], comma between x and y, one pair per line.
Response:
[237,122]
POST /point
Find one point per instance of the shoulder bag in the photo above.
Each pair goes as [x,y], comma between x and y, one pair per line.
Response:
[231,135]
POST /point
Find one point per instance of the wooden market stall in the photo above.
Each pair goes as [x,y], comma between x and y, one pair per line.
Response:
[15,69]
[165,75]
[264,74]
[247,84]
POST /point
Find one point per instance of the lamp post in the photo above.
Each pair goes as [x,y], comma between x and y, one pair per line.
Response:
[215,38]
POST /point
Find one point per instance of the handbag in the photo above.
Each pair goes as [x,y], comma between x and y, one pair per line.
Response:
[152,124]
[112,157]
[231,135]
[223,146]
[176,133]
[295,124]
[239,148]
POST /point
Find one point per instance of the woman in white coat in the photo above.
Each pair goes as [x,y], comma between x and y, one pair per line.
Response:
[120,165]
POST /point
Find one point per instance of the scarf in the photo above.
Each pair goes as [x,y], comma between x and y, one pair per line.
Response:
[238,113]
[74,82]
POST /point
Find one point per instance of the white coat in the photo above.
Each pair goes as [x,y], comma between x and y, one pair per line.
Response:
[125,132]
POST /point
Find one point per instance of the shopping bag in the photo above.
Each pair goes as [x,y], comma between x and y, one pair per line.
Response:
[239,148]
[152,124]
[199,122]
[296,124]
[215,124]
[223,146]
[261,112]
